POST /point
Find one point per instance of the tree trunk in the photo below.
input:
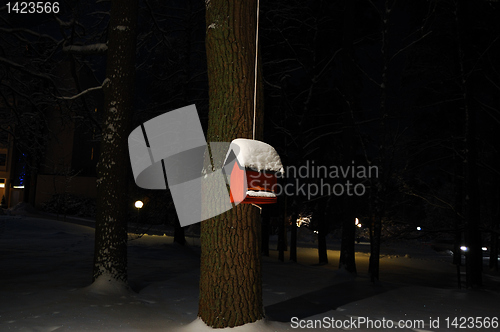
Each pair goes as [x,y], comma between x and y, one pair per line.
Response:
[179,236]
[458,205]
[293,238]
[322,232]
[457,252]
[347,250]
[29,191]
[231,281]
[110,255]
[494,239]
[379,185]
[322,249]
[375,236]
[493,264]
[282,232]
[474,256]
[347,253]
[281,237]
[266,223]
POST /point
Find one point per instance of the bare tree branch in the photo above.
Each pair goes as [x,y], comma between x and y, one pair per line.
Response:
[106,81]
[93,49]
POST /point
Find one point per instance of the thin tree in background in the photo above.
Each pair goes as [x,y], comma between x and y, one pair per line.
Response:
[379,185]
[110,255]
[474,257]
[347,251]
[230,281]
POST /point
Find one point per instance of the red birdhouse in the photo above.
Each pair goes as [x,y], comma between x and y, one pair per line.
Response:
[252,167]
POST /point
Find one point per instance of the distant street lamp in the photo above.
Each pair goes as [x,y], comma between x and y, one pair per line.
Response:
[138,205]
[356,233]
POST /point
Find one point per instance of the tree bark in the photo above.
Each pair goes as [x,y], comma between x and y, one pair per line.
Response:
[457,253]
[282,236]
[375,237]
[179,236]
[474,256]
[493,263]
[347,250]
[110,255]
[293,238]
[322,232]
[266,224]
[231,281]
[377,193]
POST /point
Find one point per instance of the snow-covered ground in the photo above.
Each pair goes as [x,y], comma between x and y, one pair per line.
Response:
[45,275]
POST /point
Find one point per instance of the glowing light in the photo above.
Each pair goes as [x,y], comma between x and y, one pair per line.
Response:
[357,223]
[316,232]
[419,228]
[484,249]
[139,204]
[18,187]
[303,220]
[464,248]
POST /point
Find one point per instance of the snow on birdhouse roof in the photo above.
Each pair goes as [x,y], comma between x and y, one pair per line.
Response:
[256,155]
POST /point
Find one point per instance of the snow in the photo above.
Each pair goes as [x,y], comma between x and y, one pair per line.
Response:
[86,49]
[260,325]
[46,267]
[106,285]
[256,155]
[21,208]
[260,193]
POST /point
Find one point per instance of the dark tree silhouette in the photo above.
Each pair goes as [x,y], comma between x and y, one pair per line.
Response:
[110,255]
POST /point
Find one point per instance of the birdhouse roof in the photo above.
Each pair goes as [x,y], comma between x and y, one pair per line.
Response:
[256,155]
